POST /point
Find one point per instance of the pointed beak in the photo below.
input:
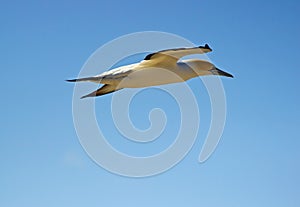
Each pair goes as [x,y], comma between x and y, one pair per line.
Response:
[216,71]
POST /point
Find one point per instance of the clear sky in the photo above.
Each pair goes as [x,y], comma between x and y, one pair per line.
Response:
[257,162]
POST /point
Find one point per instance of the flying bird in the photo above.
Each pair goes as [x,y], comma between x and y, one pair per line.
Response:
[162,67]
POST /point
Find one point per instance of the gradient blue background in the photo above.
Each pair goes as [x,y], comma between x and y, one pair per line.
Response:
[257,160]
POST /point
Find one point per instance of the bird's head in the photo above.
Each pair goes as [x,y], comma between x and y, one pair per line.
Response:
[203,67]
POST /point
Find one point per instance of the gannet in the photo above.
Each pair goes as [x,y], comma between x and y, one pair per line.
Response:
[162,67]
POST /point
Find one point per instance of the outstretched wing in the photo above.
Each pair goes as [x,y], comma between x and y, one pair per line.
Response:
[179,52]
[108,77]
[105,89]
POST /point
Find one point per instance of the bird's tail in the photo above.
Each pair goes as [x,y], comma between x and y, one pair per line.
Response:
[92,79]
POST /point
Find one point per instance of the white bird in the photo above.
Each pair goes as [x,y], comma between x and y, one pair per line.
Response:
[162,67]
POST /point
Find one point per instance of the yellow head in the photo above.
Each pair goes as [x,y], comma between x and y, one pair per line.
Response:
[203,67]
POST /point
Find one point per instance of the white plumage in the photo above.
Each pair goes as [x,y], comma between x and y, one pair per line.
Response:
[158,68]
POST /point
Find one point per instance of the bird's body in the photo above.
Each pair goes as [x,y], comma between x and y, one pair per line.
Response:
[158,68]
[142,74]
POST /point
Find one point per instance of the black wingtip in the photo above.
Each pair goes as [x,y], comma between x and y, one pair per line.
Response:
[93,94]
[82,97]
[206,46]
[72,80]
[217,71]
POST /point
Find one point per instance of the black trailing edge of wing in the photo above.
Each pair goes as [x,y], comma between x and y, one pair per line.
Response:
[148,57]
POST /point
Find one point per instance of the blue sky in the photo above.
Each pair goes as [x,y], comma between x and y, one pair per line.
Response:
[257,160]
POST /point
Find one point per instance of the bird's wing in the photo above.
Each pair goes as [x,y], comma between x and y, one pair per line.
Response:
[179,52]
[116,74]
[108,76]
[105,89]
